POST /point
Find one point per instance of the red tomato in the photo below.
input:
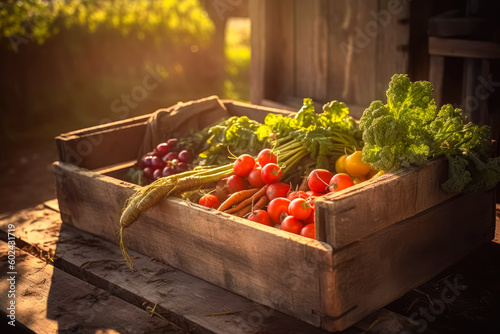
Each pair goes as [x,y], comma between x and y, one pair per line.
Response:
[319,180]
[236,183]
[210,201]
[300,208]
[292,225]
[266,156]
[243,165]
[271,173]
[261,217]
[314,194]
[255,179]
[297,194]
[311,219]
[277,207]
[277,189]
[340,181]
[309,231]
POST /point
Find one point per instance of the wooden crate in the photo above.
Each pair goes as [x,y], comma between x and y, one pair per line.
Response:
[378,239]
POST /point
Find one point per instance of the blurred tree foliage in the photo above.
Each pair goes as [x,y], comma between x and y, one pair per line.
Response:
[179,21]
[65,63]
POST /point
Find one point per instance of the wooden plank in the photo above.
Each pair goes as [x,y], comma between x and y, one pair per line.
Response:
[117,171]
[384,321]
[183,299]
[352,52]
[102,147]
[463,48]
[311,49]
[436,77]
[257,113]
[257,11]
[343,216]
[280,50]
[385,265]
[228,251]
[49,300]
[52,204]
[461,26]
[108,126]
[392,42]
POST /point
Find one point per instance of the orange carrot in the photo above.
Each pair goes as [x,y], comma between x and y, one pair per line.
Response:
[243,211]
[237,197]
[263,200]
[248,200]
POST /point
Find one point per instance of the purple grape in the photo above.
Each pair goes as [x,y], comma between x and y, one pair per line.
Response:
[182,167]
[157,163]
[167,171]
[172,144]
[148,172]
[146,161]
[162,149]
[185,156]
[170,156]
[157,173]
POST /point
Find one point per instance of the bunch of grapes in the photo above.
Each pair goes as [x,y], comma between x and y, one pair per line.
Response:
[165,160]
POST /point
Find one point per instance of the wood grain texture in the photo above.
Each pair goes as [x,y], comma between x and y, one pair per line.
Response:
[392,42]
[463,48]
[257,113]
[101,147]
[49,300]
[371,206]
[462,26]
[352,54]
[311,49]
[436,76]
[183,299]
[257,10]
[280,49]
[105,147]
[385,265]
[343,50]
[262,263]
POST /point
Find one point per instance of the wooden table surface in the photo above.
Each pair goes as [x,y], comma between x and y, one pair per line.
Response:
[70,281]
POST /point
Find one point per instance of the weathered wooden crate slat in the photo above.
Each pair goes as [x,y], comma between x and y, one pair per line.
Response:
[378,239]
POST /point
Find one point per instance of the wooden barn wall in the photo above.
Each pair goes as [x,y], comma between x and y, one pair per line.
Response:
[327,49]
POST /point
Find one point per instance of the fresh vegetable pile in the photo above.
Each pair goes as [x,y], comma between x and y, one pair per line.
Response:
[273,159]
[271,173]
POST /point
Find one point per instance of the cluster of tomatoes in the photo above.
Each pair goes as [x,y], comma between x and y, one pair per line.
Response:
[291,211]
[165,160]
[294,213]
[247,172]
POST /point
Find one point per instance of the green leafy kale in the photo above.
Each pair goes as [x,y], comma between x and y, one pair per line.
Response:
[394,133]
[407,130]
[235,135]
